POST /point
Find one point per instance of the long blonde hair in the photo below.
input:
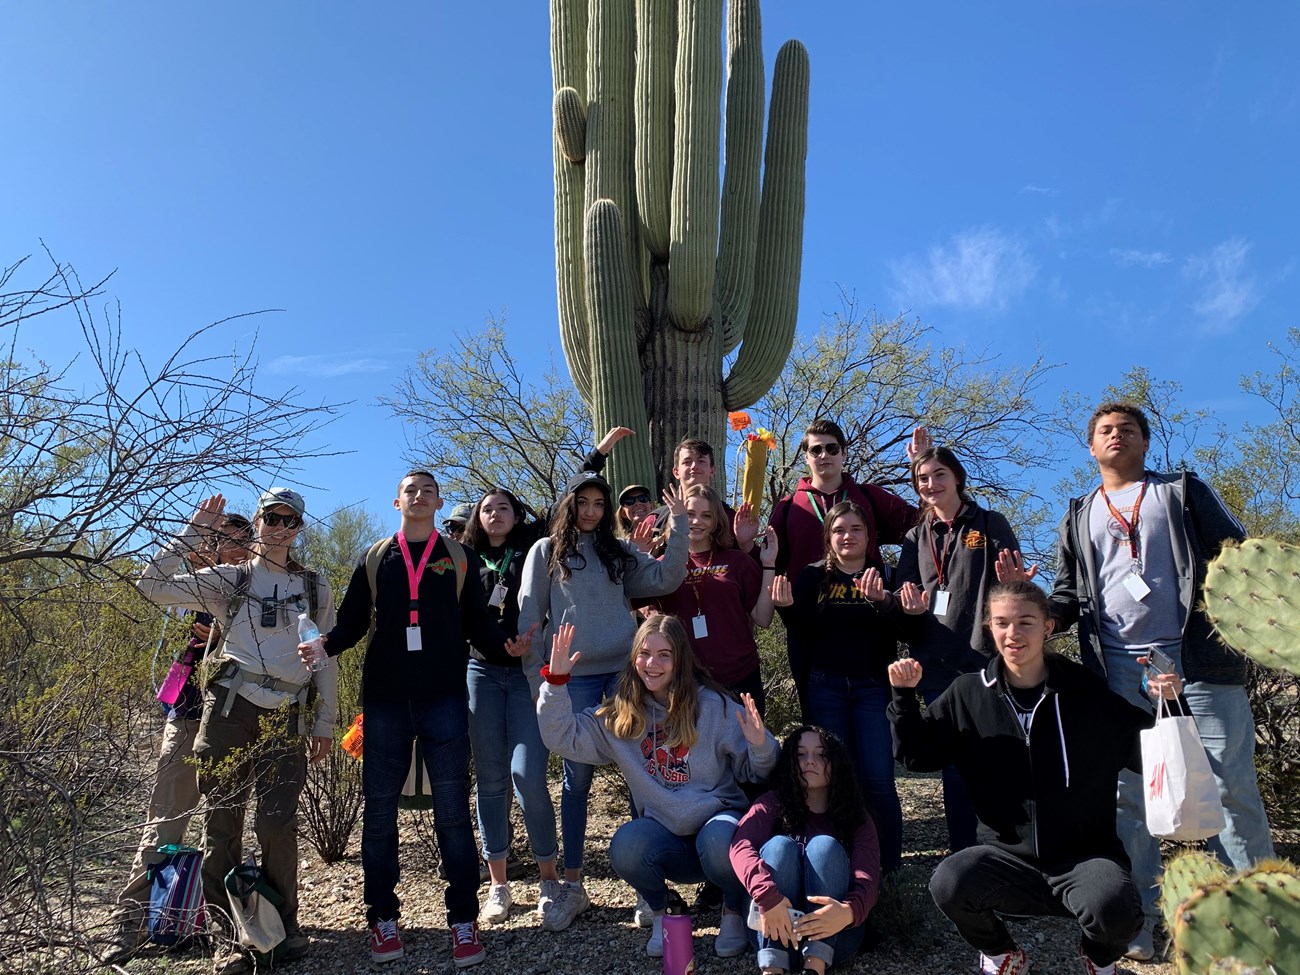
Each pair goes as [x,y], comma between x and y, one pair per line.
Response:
[625,713]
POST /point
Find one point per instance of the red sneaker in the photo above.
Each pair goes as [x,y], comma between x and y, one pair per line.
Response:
[385,943]
[466,948]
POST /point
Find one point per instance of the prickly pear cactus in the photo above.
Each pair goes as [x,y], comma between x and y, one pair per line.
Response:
[1185,875]
[1244,922]
[1252,596]
[663,269]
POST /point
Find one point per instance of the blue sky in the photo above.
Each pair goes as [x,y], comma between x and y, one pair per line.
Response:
[1112,183]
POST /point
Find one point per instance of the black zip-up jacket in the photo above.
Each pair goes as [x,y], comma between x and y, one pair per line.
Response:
[1199,524]
[1047,797]
[437,669]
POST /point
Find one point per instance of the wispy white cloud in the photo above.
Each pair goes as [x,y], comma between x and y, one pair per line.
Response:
[327,366]
[1039,190]
[981,267]
[1128,257]
[1229,290]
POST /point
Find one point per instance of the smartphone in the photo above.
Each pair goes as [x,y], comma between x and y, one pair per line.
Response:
[1158,662]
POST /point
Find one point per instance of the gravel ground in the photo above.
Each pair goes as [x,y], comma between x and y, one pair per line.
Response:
[909,933]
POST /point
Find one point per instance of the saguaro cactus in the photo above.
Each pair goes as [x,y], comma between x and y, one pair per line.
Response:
[664,268]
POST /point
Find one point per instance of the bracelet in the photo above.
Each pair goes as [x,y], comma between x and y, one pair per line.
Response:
[556,679]
[769,568]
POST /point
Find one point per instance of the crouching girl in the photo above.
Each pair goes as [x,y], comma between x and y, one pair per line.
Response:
[688,799]
[1040,741]
[809,845]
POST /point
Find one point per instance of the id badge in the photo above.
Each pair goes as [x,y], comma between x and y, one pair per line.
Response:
[498,597]
[700,626]
[412,638]
[1136,586]
[939,605]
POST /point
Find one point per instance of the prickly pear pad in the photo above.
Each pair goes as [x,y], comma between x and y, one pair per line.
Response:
[1184,876]
[1252,597]
[1253,919]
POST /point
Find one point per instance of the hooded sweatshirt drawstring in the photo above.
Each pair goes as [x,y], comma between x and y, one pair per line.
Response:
[1060,730]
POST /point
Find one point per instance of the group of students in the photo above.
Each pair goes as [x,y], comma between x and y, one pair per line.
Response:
[614,632]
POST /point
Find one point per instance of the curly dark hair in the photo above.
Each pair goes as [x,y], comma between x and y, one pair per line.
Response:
[564,540]
[848,810]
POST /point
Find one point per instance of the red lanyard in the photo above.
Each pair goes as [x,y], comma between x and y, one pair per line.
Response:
[696,580]
[413,574]
[940,560]
[817,508]
[1129,529]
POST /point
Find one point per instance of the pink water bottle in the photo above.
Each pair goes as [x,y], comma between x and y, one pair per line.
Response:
[170,692]
[679,950]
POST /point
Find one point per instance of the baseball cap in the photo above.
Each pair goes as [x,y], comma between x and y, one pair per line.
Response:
[285,496]
[635,489]
[461,513]
[581,479]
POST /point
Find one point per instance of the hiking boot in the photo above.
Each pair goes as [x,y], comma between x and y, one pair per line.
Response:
[498,904]
[655,946]
[1012,963]
[708,897]
[466,948]
[125,940]
[385,942]
[732,939]
[1090,967]
[231,961]
[642,916]
[296,946]
[1143,945]
[570,901]
[547,891]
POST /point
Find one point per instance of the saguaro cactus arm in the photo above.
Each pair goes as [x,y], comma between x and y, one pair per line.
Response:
[656,50]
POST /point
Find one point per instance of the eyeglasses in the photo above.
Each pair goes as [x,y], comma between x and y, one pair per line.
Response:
[829,449]
[275,519]
[635,500]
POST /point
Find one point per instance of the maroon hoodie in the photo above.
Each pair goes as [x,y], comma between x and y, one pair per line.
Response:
[798,520]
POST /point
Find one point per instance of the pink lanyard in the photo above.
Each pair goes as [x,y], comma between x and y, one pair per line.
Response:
[413,574]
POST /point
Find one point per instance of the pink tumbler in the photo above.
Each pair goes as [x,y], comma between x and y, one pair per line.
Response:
[679,951]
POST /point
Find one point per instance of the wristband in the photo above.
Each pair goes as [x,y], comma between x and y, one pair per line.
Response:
[769,568]
[556,679]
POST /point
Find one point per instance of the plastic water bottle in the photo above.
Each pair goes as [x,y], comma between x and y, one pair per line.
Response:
[309,632]
[679,950]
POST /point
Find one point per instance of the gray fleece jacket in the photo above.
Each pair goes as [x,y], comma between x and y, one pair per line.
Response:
[596,605]
[679,789]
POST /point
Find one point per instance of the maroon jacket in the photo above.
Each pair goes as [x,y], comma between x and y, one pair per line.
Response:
[799,529]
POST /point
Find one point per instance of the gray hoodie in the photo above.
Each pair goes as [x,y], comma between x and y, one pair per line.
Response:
[681,790]
[596,605]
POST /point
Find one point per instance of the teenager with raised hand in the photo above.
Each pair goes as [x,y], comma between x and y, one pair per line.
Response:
[725,595]
[503,732]
[693,464]
[950,559]
[1041,742]
[839,610]
[261,682]
[800,518]
[582,573]
[684,746]
[809,845]
[421,592]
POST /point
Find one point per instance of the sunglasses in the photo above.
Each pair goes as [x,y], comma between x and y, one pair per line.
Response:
[275,519]
[830,449]
[635,500]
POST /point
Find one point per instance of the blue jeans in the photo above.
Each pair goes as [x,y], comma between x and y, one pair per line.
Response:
[819,869]
[853,708]
[958,810]
[391,730]
[1227,729]
[508,747]
[647,855]
[585,691]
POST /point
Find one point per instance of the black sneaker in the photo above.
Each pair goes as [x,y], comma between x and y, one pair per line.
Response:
[708,897]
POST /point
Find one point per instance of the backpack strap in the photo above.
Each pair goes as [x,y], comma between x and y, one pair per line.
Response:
[374,555]
[459,560]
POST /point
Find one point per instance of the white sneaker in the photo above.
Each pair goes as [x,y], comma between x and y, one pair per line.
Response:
[498,904]
[655,946]
[569,902]
[643,916]
[731,939]
[547,891]
[1143,945]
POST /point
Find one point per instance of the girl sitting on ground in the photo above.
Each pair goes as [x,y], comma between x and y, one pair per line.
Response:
[684,745]
[809,845]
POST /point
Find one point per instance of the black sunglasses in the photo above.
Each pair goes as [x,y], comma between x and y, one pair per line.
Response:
[635,499]
[829,449]
[275,519]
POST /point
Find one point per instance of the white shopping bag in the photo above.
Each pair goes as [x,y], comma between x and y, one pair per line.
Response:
[1182,798]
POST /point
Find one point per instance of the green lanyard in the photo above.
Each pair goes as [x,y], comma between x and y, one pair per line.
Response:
[499,567]
[817,508]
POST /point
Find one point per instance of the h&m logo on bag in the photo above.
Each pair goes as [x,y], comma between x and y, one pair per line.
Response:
[1156,787]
